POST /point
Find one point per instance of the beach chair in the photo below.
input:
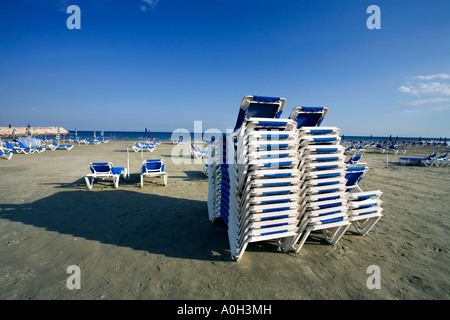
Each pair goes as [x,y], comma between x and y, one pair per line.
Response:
[104,170]
[197,152]
[427,161]
[153,168]
[88,140]
[442,160]
[354,160]
[140,147]
[364,210]
[353,176]
[259,107]
[53,146]
[5,154]
[380,148]
[78,140]
[308,116]
[393,149]
[10,147]
[31,149]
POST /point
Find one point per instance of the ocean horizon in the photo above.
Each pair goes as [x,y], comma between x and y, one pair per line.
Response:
[168,136]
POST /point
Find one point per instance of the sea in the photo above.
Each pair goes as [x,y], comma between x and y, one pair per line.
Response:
[169,136]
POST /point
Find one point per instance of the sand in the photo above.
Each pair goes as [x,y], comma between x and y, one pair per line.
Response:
[157,242]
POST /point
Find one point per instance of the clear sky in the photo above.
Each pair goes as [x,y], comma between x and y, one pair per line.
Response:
[163,64]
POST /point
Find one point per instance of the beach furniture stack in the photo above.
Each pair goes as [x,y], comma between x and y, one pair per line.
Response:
[253,178]
[323,203]
[281,179]
[264,182]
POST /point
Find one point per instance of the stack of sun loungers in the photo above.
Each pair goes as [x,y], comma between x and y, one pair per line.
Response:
[264,183]
[281,179]
[323,203]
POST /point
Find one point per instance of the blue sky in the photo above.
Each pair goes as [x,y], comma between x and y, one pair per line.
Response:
[164,64]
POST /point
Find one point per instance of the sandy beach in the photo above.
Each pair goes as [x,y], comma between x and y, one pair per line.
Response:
[158,243]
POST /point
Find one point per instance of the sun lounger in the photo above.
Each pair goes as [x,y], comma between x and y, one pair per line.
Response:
[153,168]
[5,154]
[353,176]
[197,152]
[308,116]
[55,146]
[78,140]
[10,147]
[364,210]
[139,147]
[427,161]
[442,160]
[104,170]
[259,107]
[31,149]
[88,140]
[393,149]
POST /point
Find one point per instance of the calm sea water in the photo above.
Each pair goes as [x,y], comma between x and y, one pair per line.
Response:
[132,135]
[167,136]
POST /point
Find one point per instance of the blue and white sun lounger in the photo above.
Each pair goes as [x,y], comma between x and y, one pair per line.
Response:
[197,152]
[5,154]
[104,170]
[153,168]
[427,161]
[259,107]
[364,210]
[353,176]
[393,149]
[308,116]
[88,140]
[140,147]
[31,149]
[354,160]
[442,160]
[10,147]
[55,146]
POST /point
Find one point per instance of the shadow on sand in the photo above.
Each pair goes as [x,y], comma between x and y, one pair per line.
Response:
[158,224]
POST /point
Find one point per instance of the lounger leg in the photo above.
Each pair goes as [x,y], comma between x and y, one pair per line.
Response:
[142,181]
[165,179]
[337,234]
[302,241]
[87,183]
[365,227]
